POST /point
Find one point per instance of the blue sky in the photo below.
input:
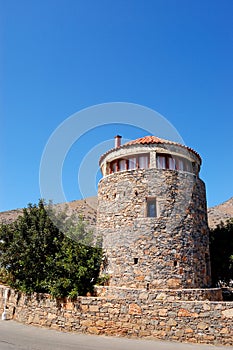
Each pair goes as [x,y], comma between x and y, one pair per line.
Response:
[60,56]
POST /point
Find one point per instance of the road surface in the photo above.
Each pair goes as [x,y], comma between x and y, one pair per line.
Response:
[16,336]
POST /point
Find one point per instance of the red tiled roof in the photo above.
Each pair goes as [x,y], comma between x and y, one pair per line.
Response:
[146,140]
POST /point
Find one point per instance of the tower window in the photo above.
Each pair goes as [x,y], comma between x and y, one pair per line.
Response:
[132,163]
[135,260]
[171,163]
[140,161]
[167,161]
[151,207]
[122,164]
[114,166]
[161,162]
[143,162]
[180,164]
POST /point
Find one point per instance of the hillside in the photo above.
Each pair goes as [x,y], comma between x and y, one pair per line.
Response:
[221,212]
[85,207]
[88,207]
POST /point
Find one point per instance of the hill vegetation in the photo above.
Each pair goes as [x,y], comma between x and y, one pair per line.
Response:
[221,253]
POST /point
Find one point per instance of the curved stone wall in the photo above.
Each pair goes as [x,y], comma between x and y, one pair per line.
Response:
[167,251]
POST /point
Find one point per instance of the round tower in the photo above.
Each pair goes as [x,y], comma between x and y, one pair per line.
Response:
[152,215]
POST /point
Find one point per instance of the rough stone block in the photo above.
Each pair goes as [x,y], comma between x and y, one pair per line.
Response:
[202,325]
[51,316]
[224,330]
[163,312]
[186,313]
[93,330]
[93,308]
[188,330]
[171,322]
[134,309]
[86,323]
[161,296]
[174,283]
[228,313]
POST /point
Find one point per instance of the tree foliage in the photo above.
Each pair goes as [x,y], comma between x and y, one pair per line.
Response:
[221,253]
[36,256]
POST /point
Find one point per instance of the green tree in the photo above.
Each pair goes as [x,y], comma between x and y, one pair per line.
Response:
[221,252]
[36,256]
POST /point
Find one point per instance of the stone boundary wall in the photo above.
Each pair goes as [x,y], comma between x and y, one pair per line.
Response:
[188,321]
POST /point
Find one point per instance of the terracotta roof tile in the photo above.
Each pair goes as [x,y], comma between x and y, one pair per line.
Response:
[146,140]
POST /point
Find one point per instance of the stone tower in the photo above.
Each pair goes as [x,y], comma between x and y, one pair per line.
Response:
[152,215]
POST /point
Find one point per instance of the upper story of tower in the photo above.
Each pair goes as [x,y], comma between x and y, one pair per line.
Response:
[149,152]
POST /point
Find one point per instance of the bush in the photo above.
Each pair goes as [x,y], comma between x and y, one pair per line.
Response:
[36,256]
[221,253]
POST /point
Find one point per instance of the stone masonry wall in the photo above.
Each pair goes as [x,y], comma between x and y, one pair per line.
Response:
[213,294]
[168,251]
[188,321]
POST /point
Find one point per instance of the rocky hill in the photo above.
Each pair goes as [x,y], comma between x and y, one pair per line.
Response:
[85,207]
[9,216]
[88,207]
[221,212]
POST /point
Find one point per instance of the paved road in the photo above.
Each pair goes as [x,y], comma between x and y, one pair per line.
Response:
[16,336]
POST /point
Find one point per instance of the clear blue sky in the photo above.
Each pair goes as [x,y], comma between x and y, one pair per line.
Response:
[60,56]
